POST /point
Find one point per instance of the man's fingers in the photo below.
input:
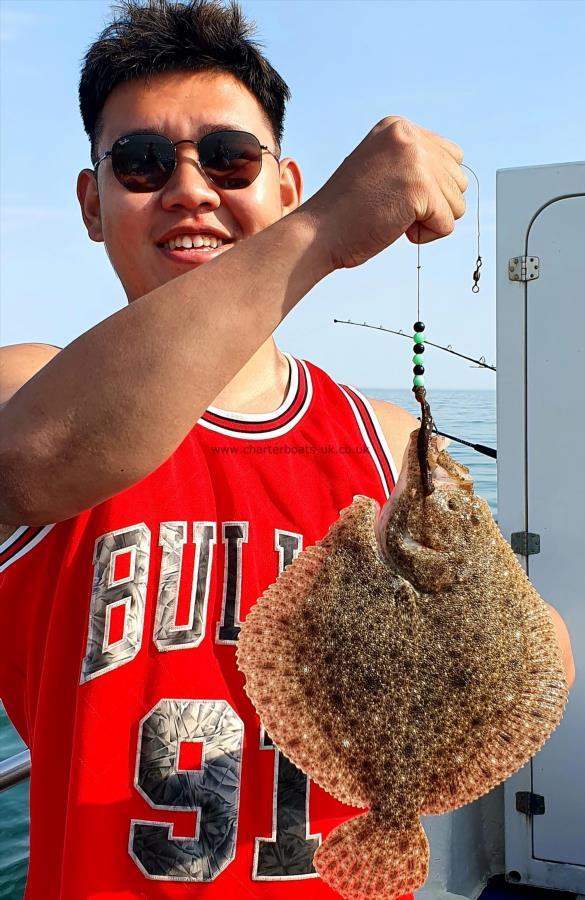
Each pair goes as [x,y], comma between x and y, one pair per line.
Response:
[418,233]
[439,222]
[453,196]
[455,170]
[453,149]
[447,203]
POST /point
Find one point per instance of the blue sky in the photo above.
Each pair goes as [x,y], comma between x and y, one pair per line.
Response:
[503,79]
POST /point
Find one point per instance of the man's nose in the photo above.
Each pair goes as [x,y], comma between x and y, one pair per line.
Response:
[188,186]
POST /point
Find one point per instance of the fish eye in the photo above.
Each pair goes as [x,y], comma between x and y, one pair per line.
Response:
[452,503]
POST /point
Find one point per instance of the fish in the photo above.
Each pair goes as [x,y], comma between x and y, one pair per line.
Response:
[406,665]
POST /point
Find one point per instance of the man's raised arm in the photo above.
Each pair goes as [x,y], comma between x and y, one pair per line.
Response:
[115,404]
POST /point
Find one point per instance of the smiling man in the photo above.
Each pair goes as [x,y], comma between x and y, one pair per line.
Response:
[172,460]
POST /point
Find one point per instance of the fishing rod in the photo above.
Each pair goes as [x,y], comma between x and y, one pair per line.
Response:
[481,448]
[481,363]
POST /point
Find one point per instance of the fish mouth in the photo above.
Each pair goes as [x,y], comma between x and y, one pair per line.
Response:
[410,544]
[447,476]
[407,542]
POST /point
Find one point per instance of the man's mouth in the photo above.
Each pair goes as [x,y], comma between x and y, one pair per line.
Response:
[193,241]
[194,249]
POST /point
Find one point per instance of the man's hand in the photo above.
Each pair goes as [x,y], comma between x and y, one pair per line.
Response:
[400,179]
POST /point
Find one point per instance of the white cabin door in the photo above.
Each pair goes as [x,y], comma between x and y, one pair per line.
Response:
[555,488]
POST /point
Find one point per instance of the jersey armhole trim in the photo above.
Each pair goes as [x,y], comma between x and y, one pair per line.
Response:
[373,436]
[20,542]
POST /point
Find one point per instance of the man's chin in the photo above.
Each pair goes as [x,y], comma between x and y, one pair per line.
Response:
[174,264]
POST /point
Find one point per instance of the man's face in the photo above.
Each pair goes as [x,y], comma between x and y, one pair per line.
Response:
[134,226]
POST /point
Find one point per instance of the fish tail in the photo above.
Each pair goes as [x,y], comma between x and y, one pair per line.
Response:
[366,859]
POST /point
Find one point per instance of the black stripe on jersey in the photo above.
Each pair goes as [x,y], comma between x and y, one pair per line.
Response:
[375,439]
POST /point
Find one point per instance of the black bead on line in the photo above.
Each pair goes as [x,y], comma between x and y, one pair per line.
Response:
[419,326]
[419,370]
[418,348]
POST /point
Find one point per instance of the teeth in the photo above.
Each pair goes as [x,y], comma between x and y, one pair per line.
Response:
[189,241]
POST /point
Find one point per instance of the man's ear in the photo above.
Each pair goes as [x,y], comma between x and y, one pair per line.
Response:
[291,185]
[89,201]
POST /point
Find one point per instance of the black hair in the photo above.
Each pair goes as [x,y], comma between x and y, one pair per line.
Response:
[156,36]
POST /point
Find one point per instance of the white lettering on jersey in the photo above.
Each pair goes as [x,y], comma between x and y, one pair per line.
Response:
[167,634]
[212,791]
[120,578]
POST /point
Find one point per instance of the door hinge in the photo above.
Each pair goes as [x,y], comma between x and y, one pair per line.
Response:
[523,268]
[525,543]
[530,804]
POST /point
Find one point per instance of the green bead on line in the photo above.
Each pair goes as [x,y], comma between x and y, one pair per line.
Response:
[418,337]
[418,359]
[418,380]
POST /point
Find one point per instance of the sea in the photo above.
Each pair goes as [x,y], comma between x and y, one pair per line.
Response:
[470,415]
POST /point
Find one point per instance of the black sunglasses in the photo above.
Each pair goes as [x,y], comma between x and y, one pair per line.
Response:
[143,163]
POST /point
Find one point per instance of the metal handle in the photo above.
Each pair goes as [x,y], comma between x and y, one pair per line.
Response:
[14,769]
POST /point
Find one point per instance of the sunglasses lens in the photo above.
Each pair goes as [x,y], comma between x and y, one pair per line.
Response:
[231,159]
[143,162]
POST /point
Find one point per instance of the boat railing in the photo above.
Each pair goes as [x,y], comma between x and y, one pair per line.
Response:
[14,769]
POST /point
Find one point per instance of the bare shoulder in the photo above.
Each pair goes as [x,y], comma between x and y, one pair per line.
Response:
[564,640]
[397,425]
[18,363]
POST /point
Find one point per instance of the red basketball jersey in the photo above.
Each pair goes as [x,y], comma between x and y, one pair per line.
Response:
[151,774]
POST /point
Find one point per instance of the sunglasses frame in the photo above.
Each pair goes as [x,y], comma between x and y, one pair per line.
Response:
[175,144]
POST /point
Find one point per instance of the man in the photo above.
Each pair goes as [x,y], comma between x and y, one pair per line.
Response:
[170,461]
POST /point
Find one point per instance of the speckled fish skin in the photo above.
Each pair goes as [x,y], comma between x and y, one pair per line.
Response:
[407,665]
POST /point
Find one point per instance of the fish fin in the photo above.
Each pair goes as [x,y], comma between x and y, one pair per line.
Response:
[501,748]
[367,859]
[267,655]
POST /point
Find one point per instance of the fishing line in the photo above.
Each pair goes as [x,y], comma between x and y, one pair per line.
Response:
[479,261]
[418,388]
[418,276]
[427,426]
